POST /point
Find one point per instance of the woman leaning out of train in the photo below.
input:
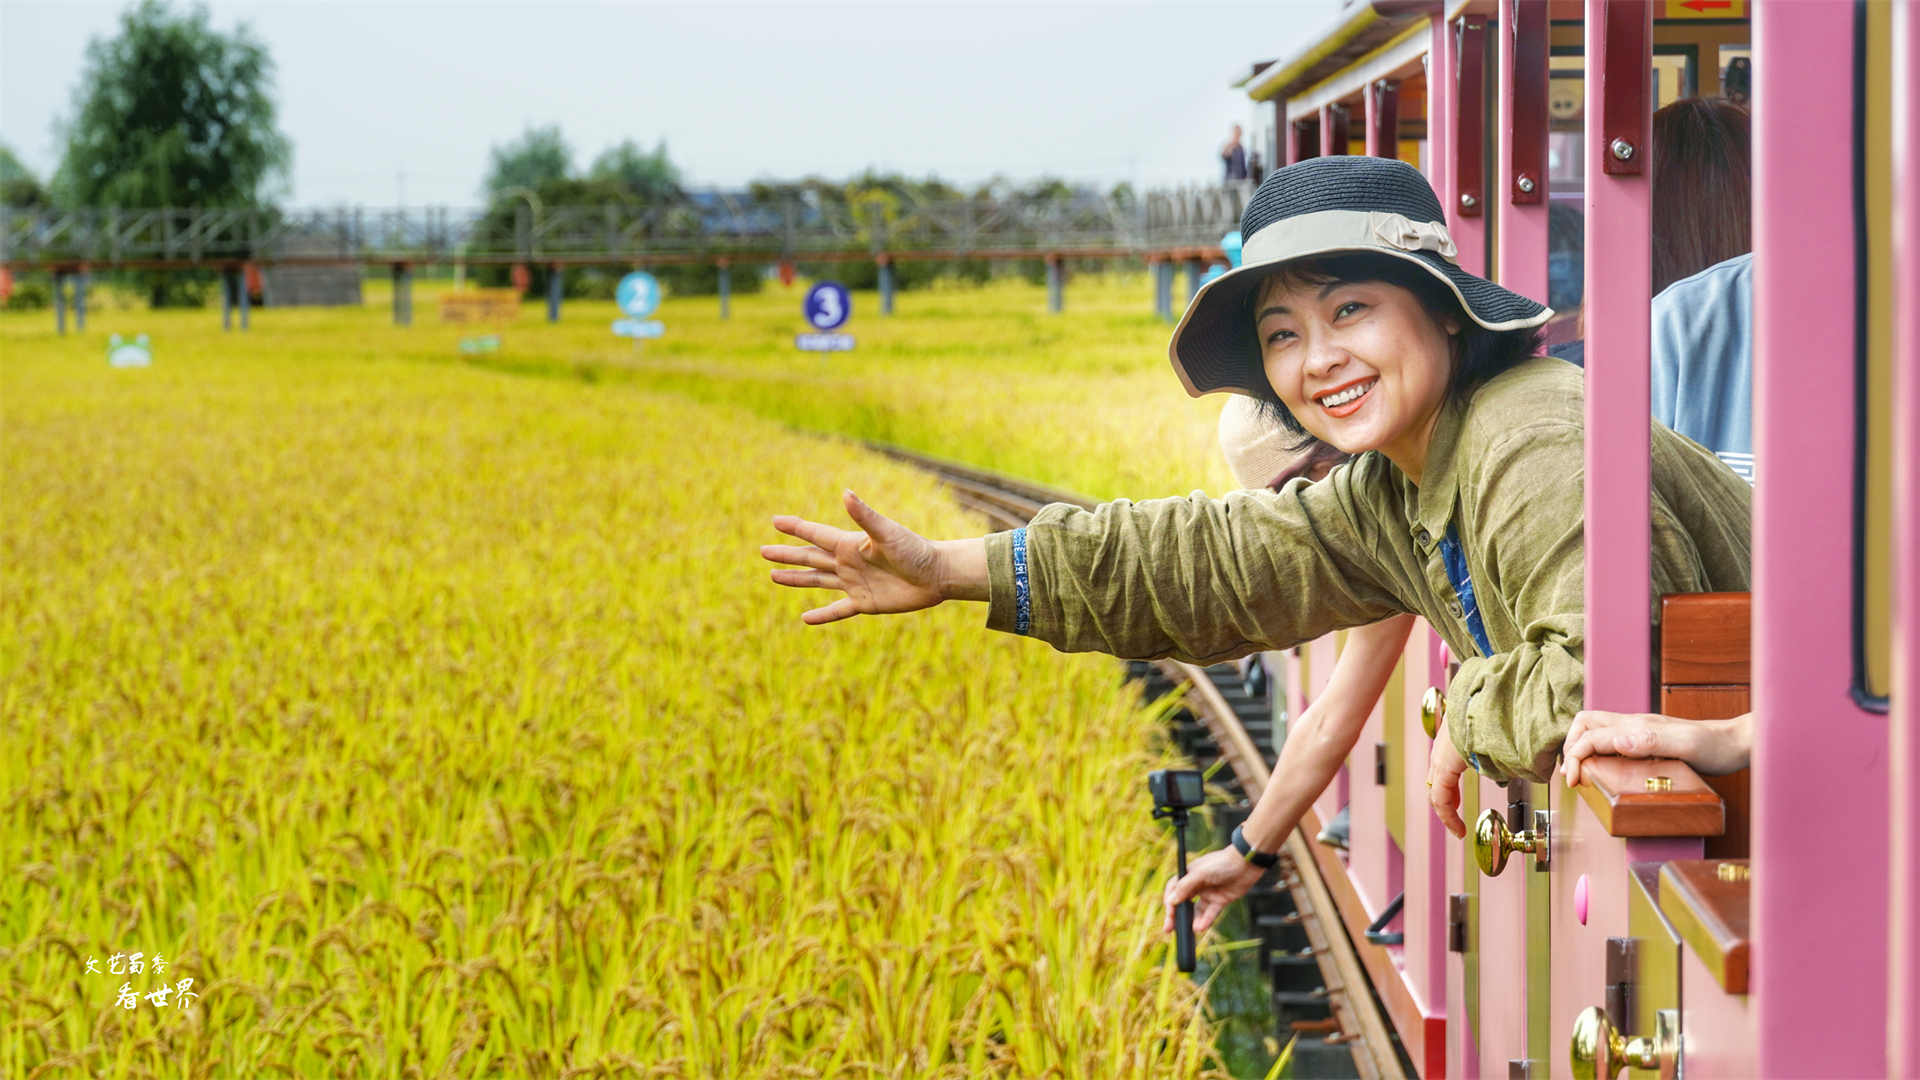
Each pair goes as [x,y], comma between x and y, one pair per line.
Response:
[1352,321]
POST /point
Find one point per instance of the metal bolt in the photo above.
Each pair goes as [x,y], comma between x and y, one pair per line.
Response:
[1469,201]
[1622,150]
[1526,183]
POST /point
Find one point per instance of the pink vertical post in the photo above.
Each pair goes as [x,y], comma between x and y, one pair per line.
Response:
[1903,1020]
[1443,136]
[1619,409]
[1440,116]
[1520,192]
[1466,87]
[1424,866]
[1820,841]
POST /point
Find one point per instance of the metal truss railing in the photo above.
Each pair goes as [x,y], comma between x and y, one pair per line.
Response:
[701,227]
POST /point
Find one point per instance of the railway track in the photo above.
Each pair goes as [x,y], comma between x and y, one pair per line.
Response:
[1320,990]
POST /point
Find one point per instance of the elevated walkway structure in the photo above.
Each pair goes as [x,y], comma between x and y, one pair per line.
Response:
[1162,228]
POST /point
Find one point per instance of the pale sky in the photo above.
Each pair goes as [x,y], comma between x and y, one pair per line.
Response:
[370,92]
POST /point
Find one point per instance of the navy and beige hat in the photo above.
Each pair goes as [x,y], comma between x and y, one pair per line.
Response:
[1328,206]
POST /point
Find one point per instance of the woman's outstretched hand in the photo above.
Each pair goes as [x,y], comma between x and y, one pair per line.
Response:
[1712,747]
[885,569]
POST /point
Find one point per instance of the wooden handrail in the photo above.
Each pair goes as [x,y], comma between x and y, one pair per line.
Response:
[1650,797]
[1707,902]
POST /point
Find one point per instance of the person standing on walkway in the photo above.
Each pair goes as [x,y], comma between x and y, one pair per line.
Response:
[1234,157]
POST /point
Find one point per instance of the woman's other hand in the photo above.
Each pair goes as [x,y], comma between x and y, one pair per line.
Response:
[1712,747]
[885,569]
[1444,767]
[1213,881]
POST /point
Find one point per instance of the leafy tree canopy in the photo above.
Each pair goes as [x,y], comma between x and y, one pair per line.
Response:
[173,113]
[18,186]
[541,161]
[535,159]
[647,176]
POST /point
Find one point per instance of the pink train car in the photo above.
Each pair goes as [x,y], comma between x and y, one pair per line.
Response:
[1760,924]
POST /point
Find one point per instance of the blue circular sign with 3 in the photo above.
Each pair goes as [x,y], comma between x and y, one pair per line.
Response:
[828,305]
[638,294]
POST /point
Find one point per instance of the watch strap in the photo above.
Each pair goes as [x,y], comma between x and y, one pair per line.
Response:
[1261,859]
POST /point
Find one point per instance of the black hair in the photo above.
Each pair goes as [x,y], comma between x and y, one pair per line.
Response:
[1478,353]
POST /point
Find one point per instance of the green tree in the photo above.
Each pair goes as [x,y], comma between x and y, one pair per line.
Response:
[19,188]
[173,113]
[537,158]
[649,177]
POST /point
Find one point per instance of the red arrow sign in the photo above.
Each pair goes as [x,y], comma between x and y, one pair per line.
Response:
[1703,5]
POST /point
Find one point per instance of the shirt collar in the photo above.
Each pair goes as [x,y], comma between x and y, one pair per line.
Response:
[1431,504]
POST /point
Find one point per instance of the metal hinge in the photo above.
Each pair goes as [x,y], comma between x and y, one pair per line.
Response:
[1620,984]
[1457,908]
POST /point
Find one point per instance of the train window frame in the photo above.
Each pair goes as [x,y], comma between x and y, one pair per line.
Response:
[1868,637]
[1689,73]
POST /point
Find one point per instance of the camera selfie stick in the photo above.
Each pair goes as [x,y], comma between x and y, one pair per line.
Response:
[1175,791]
[1183,911]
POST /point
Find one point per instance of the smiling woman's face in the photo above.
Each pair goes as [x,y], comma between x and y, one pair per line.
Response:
[1361,365]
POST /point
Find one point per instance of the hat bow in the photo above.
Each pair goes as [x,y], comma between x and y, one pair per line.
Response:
[1400,231]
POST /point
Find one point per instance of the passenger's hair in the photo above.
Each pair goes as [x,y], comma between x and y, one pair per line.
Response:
[1702,187]
[1478,353]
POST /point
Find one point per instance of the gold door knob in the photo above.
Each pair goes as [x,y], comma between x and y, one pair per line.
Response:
[1599,1053]
[1433,709]
[1493,841]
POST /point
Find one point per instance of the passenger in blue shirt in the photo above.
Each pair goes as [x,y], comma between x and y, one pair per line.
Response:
[1703,276]
[1703,360]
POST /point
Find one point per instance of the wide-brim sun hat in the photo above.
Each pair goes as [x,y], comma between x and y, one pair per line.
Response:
[1327,206]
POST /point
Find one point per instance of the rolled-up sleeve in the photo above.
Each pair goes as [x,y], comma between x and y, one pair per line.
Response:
[1512,710]
[1196,579]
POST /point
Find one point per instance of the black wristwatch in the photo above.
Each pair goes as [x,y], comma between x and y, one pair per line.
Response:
[1261,859]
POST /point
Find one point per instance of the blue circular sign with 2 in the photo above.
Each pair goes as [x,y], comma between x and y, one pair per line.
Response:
[638,294]
[828,305]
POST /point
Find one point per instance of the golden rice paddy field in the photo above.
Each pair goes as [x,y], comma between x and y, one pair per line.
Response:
[437,720]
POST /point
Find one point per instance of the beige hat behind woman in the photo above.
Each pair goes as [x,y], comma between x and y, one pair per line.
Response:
[1256,447]
[1261,452]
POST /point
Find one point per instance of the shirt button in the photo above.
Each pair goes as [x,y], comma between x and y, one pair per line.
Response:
[1421,538]
[1453,609]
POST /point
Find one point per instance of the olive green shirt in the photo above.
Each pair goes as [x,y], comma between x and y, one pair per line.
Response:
[1206,580]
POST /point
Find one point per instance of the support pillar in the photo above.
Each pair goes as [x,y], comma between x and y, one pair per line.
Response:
[1383,118]
[726,289]
[402,294]
[1303,140]
[60,301]
[246,298]
[226,299]
[556,282]
[1282,147]
[1056,285]
[80,301]
[886,286]
[1334,138]
[1195,268]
